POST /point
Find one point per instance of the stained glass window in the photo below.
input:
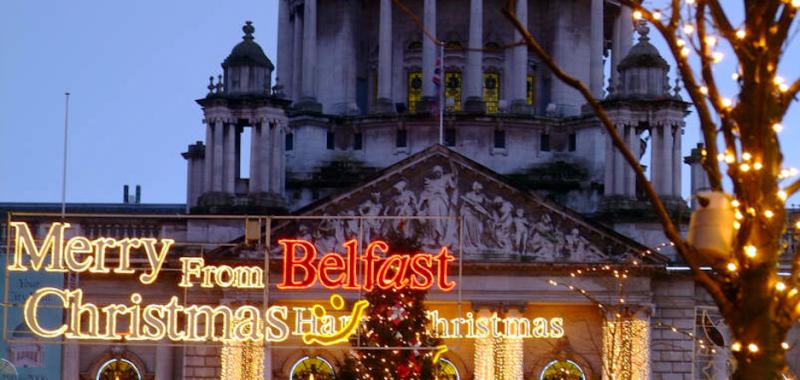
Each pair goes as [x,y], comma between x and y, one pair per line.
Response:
[531,89]
[562,370]
[307,366]
[452,90]
[446,370]
[491,91]
[118,369]
[414,90]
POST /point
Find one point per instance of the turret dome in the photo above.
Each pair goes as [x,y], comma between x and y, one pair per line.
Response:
[247,69]
[248,52]
[643,72]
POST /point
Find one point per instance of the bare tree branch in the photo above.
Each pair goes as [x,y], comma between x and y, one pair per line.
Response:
[792,188]
[789,96]
[670,230]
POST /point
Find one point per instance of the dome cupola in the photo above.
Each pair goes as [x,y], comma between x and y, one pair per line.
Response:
[643,72]
[247,70]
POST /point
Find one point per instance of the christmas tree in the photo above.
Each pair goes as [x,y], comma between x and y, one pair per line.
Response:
[394,342]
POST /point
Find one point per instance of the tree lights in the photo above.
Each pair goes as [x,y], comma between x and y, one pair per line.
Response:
[741,130]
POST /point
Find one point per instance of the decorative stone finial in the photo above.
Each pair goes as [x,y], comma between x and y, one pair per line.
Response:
[219,84]
[643,30]
[210,85]
[678,87]
[248,30]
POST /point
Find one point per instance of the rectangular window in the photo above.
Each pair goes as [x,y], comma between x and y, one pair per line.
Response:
[499,138]
[358,141]
[450,136]
[544,142]
[289,141]
[414,87]
[452,90]
[401,139]
[531,90]
[573,142]
[491,91]
[331,141]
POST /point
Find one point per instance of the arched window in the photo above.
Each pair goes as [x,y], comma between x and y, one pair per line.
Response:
[7,370]
[446,370]
[307,366]
[491,91]
[118,369]
[414,88]
[562,370]
[452,90]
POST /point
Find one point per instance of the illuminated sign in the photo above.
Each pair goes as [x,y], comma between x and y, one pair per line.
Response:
[472,327]
[138,320]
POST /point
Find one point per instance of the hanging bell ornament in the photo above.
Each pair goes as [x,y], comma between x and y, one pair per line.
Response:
[711,229]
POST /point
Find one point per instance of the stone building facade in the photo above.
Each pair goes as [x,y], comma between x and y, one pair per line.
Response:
[345,139]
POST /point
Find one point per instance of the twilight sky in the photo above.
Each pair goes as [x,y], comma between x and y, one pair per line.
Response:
[134,69]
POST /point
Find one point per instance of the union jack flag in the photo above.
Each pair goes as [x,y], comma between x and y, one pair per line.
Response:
[437,73]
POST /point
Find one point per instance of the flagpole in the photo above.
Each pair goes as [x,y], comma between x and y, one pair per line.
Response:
[64,168]
[441,94]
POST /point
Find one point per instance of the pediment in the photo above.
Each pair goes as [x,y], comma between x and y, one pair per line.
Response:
[445,199]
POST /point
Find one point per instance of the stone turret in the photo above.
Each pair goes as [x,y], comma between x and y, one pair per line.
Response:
[643,72]
[648,116]
[247,70]
[242,102]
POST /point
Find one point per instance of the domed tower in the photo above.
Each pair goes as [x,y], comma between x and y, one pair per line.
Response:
[643,102]
[247,70]
[240,102]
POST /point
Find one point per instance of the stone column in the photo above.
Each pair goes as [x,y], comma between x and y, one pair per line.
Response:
[484,352]
[699,177]
[429,50]
[281,152]
[519,84]
[297,56]
[70,361]
[630,176]
[597,38]
[219,128]
[621,41]
[619,164]
[164,362]
[384,102]
[656,159]
[255,159]
[666,160]
[230,155]
[276,166]
[265,154]
[267,361]
[285,54]
[676,161]
[473,93]
[608,178]
[347,56]
[208,160]
[308,98]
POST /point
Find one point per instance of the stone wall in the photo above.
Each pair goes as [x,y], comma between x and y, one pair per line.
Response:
[672,352]
[201,363]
